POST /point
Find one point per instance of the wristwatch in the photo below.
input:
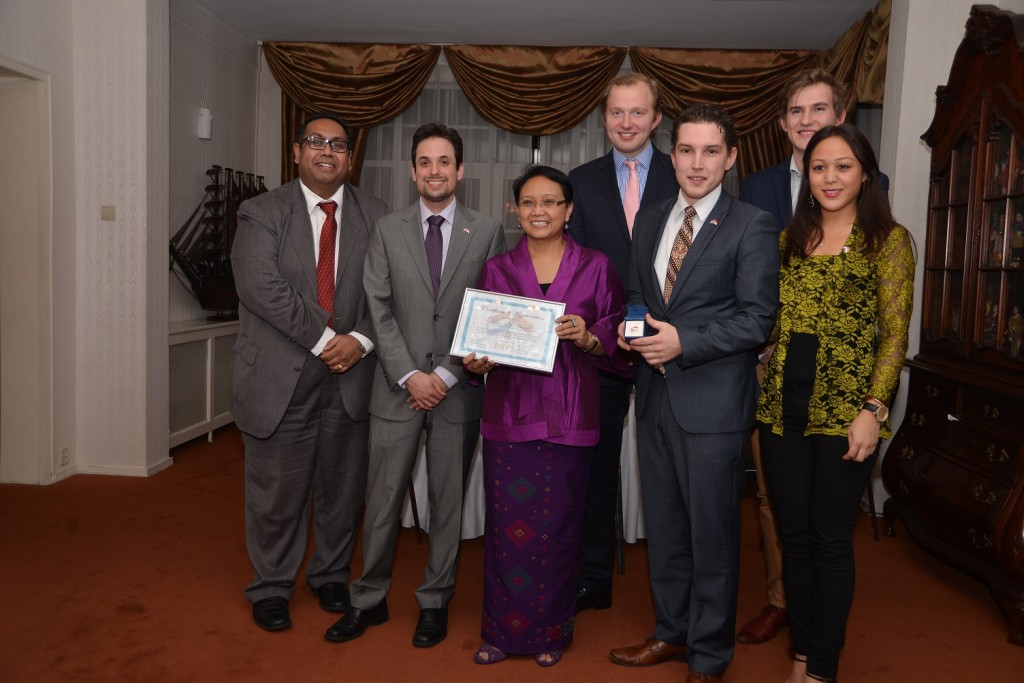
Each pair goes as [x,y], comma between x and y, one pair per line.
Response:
[875,406]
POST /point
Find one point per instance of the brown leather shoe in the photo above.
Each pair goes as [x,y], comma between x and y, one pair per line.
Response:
[764,626]
[697,677]
[652,652]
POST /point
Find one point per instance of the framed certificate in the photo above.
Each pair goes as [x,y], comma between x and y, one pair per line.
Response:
[509,330]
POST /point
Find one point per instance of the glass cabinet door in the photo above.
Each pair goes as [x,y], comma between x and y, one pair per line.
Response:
[999,325]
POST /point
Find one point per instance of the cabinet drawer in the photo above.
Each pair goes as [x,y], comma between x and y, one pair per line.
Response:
[933,392]
[998,410]
[965,490]
[994,454]
[926,424]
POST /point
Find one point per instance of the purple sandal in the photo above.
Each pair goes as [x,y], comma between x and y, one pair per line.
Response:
[488,654]
[553,658]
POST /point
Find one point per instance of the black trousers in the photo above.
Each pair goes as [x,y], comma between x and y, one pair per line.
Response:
[816,495]
[597,551]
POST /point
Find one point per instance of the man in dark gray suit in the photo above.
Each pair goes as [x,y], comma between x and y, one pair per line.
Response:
[603,212]
[418,265]
[706,267]
[302,374]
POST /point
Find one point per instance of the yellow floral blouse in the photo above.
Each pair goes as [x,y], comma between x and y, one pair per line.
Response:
[859,307]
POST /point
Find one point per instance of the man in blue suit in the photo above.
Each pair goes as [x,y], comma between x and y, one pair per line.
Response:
[706,267]
[809,101]
[608,193]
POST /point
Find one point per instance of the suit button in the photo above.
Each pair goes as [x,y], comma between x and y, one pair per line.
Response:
[430,356]
[297,368]
[437,317]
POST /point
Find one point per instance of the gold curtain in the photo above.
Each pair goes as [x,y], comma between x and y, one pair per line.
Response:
[547,90]
[534,90]
[367,85]
[745,83]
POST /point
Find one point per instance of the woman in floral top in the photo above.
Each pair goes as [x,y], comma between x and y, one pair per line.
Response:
[846,294]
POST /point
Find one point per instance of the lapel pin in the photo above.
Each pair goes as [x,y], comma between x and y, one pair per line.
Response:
[714,221]
[465,230]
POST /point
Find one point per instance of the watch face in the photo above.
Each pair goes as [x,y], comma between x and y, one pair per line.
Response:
[882,413]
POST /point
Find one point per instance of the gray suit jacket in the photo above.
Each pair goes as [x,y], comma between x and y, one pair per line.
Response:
[723,306]
[280,319]
[412,330]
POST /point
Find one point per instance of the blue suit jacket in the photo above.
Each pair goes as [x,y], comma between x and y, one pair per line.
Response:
[723,307]
[598,220]
[768,189]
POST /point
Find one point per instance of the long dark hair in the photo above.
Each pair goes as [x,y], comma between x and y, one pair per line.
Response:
[873,213]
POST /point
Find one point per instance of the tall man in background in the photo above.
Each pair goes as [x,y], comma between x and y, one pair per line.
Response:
[302,374]
[608,192]
[419,263]
[809,101]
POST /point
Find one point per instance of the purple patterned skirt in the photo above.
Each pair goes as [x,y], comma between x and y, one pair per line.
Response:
[535,493]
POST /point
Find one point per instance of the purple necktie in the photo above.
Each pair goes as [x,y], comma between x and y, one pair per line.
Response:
[435,247]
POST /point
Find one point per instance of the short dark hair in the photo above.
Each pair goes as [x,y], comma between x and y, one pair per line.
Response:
[552,174]
[300,134]
[438,130]
[873,213]
[708,113]
[631,79]
[806,79]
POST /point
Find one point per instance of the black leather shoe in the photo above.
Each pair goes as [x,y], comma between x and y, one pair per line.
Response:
[356,621]
[588,599]
[333,597]
[271,614]
[432,627]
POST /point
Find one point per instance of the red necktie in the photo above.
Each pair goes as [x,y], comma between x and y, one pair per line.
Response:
[325,262]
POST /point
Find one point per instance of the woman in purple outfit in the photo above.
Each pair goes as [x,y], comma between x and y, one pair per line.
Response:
[540,429]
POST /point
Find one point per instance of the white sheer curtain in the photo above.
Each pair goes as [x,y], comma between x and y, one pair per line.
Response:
[492,157]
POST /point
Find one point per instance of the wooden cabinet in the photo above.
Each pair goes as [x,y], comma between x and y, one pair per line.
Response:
[954,468]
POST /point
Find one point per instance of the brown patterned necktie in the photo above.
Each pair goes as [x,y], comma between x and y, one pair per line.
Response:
[681,245]
[325,259]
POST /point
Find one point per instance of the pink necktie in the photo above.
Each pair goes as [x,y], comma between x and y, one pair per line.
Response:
[631,200]
[325,259]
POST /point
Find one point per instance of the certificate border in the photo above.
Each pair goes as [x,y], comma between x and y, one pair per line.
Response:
[460,346]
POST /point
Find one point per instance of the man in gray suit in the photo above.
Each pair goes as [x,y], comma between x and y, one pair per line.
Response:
[302,374]
[419,262]
[706,267]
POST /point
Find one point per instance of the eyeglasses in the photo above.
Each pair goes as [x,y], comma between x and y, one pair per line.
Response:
[318,142]
[544,203]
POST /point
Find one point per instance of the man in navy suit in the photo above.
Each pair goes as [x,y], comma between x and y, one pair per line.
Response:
[809,101]
[603,198]
[706,267]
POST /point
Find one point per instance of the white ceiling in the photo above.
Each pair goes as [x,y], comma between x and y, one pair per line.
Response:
[716,24]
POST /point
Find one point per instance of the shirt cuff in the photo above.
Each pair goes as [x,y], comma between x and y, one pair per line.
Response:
[367,344]
[327,336]
[448,377]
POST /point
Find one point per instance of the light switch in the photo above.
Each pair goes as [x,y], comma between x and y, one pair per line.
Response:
[108,212]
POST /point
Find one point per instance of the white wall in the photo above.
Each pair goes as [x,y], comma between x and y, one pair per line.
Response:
[211,63]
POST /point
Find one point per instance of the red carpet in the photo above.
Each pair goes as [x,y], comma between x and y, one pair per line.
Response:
[121,579]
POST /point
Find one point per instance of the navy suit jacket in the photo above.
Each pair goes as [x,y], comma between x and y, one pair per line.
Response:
[768,189]
[598,220]
[723,307]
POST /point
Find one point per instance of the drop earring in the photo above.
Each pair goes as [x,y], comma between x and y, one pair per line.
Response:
[810,200]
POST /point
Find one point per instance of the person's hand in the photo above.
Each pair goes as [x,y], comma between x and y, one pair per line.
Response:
[660,348]
[341,353]
[426,391]
[478,366]
[573,329]
[862,436]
